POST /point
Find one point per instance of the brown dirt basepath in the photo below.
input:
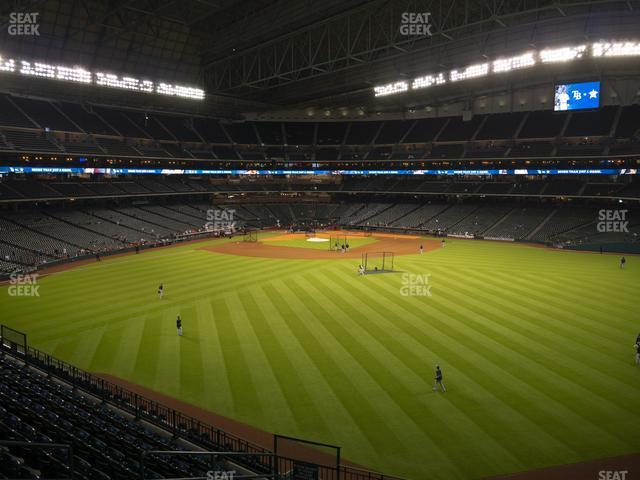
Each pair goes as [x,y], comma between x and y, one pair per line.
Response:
[398,244]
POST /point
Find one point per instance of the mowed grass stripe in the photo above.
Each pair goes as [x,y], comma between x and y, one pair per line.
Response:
[114,311]
[607,296]
[247,404]
[544,385]
[471,376]
[576,326]
[336,366]
[104,348]
[588,306]
[261,372]
[481,364]
[523,302]
[217,392]
[575,344]
[265,319]
[129,281]
[126,347]
[336,416]
[569,368]
[168,363]
[148,352]
[128,285]
[346,350]
[525,335]
[194,379]
[448,421]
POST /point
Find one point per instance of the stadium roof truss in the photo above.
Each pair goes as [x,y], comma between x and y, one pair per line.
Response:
[364,42]
[286,53]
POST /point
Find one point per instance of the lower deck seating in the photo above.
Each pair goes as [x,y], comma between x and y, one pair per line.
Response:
[519,223]
[107,443]
[30,238]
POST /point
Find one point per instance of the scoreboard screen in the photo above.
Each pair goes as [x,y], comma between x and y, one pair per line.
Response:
[576,96]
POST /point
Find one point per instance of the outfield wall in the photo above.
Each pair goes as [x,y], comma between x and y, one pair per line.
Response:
[619,247]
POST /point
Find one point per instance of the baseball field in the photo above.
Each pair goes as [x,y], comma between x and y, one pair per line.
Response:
[536,346]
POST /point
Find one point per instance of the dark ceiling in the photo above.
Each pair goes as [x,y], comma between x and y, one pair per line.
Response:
[293,53]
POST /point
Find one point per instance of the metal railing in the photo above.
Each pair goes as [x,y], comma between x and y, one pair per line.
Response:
[22,445]
[219,469]
[249,454]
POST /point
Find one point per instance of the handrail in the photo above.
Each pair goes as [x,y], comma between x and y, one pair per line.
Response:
[44,445]
[179,424]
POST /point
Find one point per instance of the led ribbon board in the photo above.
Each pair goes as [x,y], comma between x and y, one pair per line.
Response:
[508,64]
[176,171]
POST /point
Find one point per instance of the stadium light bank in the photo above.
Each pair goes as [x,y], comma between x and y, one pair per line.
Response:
[78,74]
[502,65]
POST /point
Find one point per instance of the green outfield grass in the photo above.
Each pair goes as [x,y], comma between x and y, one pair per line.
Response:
[535,345]
[354,242]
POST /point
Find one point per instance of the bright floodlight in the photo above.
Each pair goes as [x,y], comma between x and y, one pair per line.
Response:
[7,65]
[391,88]
[472,71]
[428,80]
[80,75]
[563,54]
[514,63]
[622,49]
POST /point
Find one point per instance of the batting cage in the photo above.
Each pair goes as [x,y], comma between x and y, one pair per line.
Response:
[250,236]
[377,262]
[336,242]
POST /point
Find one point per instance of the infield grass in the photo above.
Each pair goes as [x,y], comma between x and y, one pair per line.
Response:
[535,346]
[302,242]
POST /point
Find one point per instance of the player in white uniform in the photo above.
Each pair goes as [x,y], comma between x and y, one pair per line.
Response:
[562,98]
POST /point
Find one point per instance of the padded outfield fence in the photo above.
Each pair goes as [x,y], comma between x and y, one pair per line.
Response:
[247,454]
